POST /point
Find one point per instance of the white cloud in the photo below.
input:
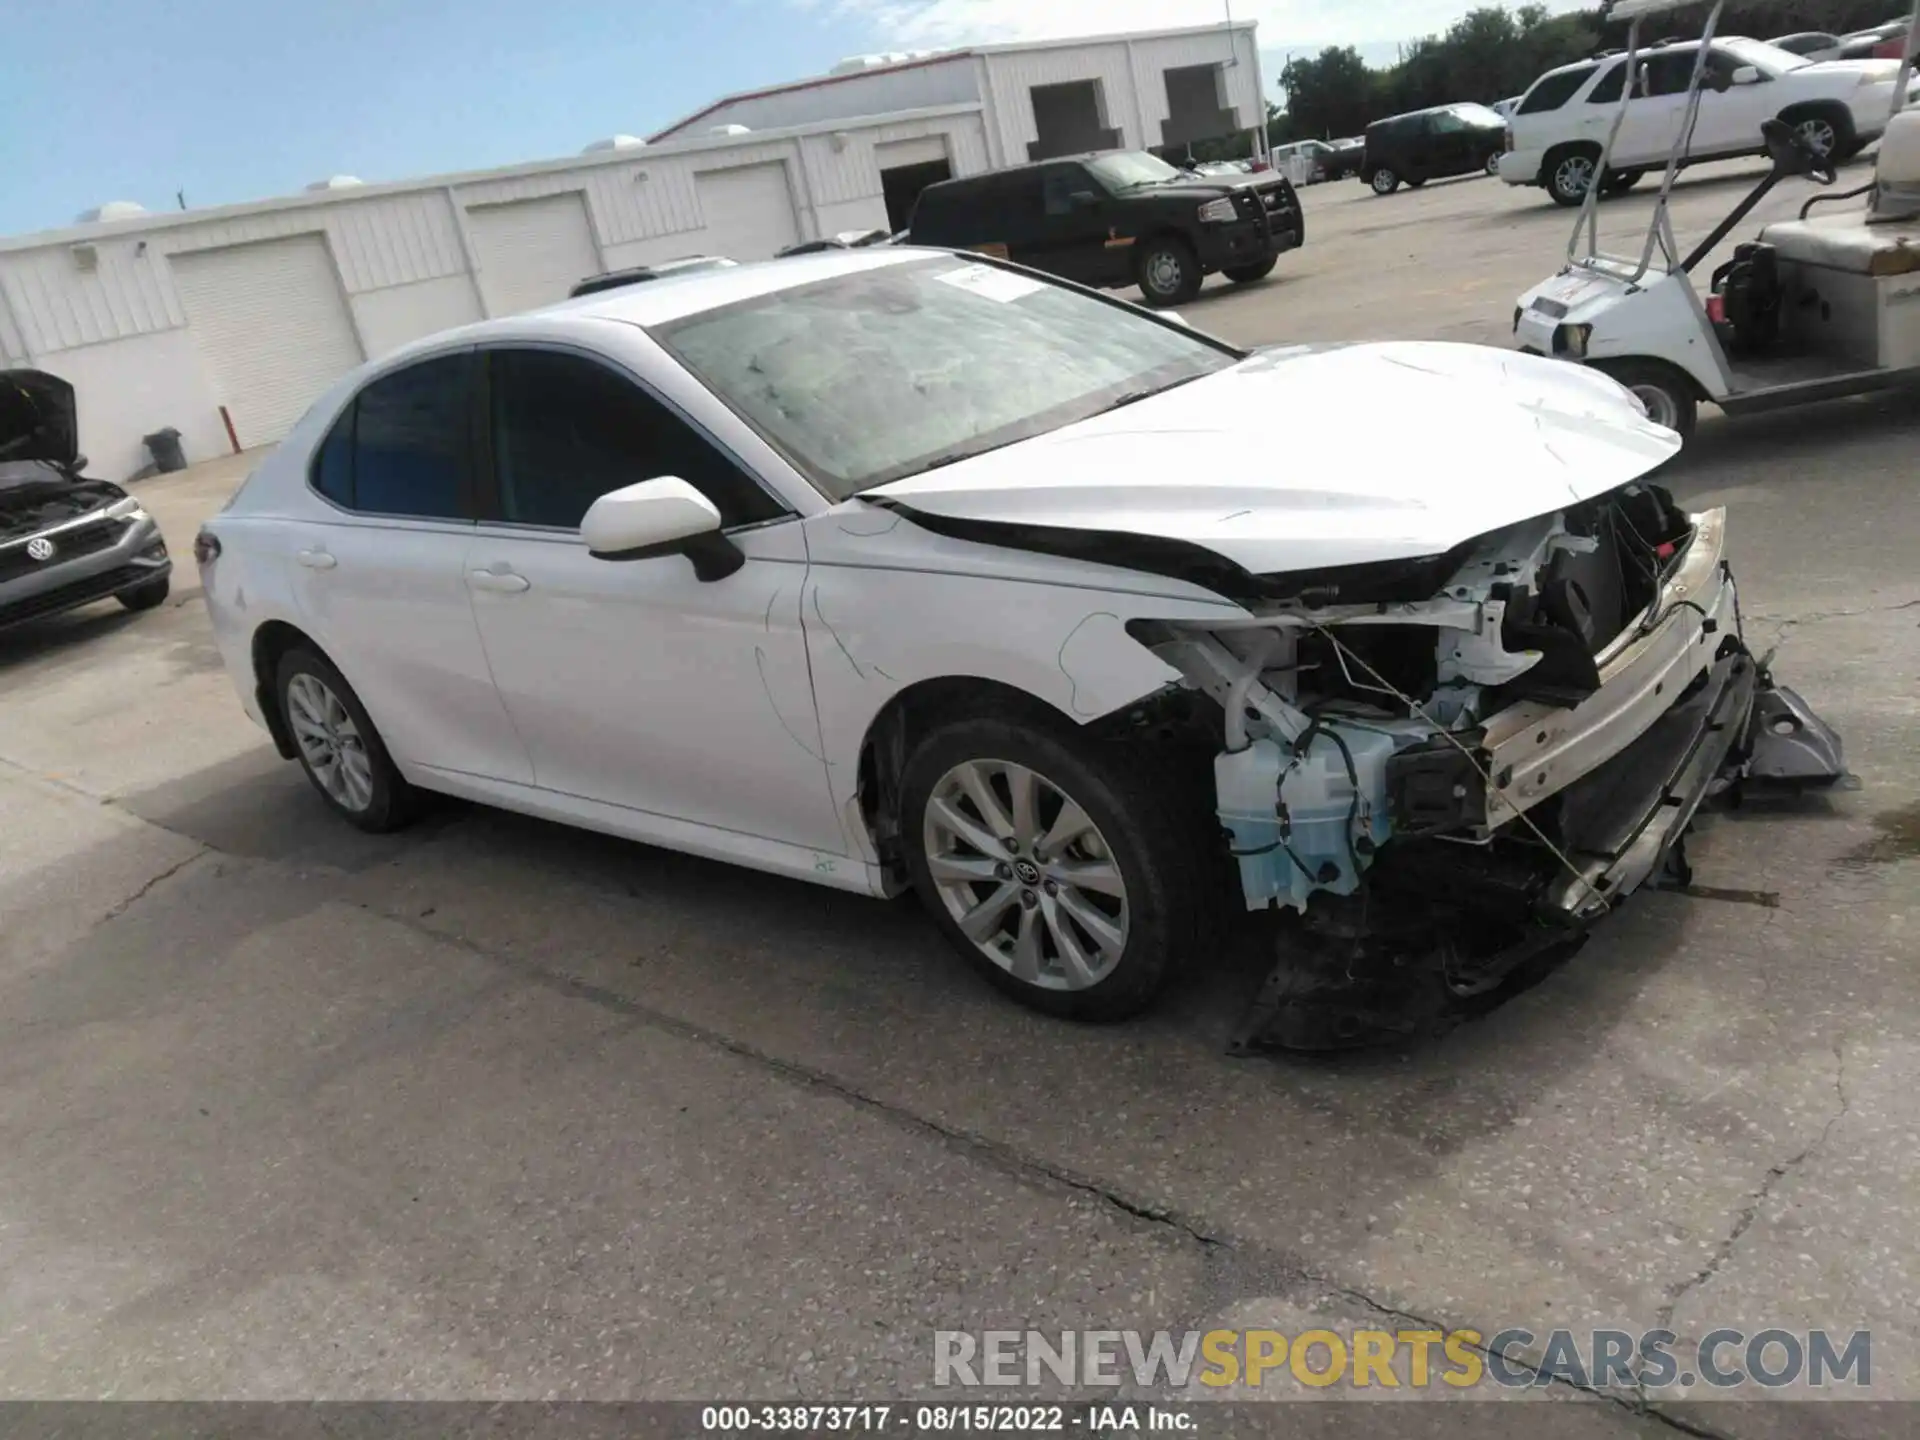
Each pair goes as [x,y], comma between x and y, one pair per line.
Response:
[1293,24]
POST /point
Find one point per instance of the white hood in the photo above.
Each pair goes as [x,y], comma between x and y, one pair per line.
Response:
[1302,459]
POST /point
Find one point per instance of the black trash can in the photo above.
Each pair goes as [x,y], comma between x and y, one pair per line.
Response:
[164,446]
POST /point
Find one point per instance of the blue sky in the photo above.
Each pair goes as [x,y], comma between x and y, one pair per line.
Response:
[233,100]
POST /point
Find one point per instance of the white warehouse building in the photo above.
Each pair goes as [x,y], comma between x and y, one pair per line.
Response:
[226,323]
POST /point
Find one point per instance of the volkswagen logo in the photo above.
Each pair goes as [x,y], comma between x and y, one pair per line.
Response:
[40,548]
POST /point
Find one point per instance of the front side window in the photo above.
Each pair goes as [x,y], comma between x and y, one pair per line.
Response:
[868,377]
[402,448]
[566,430]
[1058,186]
[1770,60]
[1670,73]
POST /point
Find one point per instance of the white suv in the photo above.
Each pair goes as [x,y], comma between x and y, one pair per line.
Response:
[1555,135]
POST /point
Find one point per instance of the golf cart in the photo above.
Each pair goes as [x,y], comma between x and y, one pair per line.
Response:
[1815,309]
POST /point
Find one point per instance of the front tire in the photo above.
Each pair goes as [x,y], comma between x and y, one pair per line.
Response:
[1169,272]
[338,746]
[1668,394]
[1247,274]
[149,596]
[1070,877]
[1570,174]
[1829,132]
[1384,181]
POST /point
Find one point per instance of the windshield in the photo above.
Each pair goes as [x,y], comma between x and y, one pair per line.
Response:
[1131,169]
[1478,115]
[883,373]
[1767,59]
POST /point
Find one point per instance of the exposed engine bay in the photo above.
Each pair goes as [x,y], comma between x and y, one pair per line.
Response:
[1450,768]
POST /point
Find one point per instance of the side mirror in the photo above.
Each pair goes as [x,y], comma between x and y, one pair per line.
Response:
[666,516]
[1747,75]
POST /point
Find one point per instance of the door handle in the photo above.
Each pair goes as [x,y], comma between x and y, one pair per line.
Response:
[500,582]
[316,560]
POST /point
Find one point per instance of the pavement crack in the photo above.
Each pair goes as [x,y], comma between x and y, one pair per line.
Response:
[121,907]
[1743,1221]
[1635,1404]
[1787,622]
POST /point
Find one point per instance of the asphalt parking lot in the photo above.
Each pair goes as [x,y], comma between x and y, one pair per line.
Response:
[493,1108]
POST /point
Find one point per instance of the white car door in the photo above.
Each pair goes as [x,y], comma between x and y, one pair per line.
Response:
[1730,119]
[380,580]
[1654,115]
[637,683]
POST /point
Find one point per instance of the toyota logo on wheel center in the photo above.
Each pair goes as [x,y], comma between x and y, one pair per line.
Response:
[1028,872]
[40,548]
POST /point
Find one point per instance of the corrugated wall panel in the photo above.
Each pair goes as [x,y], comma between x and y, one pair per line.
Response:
[885,92]
[850,171]
[1153,58]
[387,240]
[60,306]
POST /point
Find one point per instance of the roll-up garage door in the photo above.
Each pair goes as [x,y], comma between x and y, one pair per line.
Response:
[271,322]
[532,252]
[747,211]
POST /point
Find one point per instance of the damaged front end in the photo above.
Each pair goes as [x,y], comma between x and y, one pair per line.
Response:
[1450,768]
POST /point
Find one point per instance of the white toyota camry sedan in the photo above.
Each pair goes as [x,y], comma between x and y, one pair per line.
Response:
[895,568]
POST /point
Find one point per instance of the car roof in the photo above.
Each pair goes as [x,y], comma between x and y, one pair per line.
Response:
[672,297]
[963,180]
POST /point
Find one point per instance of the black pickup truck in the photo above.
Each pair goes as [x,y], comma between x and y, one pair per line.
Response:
[1119,218]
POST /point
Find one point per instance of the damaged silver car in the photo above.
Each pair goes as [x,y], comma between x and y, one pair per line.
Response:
[895,569]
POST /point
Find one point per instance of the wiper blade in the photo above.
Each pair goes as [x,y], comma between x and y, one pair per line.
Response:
[1134,397]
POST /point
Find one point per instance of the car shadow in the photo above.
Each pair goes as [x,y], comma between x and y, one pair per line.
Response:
[33,638]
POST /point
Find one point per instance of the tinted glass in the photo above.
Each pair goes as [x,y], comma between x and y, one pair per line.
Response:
[1671,73]
[1554,91]
[333,466]
[868,377]
[1057,186]
[1607,92]
[411,441]
[567,429]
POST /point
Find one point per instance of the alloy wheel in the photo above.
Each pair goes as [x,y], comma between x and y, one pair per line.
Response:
[1026,874]
[330,743]
[1384,182]
[1574,175]
[1493,165]
[1819,134]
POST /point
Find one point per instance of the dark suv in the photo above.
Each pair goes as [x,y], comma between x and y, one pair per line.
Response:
[1119,218]
[1431,145]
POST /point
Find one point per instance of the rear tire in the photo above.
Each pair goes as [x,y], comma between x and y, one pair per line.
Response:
[338,746]
[1383,181]
[1168,272]
[1247,274]
[1492,166]
[1669,394]
[1080,920]
[149,596]
[1569,173]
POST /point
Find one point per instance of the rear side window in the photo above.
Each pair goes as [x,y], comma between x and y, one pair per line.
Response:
[1607,92]
[1555,91]
[403,447]
[566,430]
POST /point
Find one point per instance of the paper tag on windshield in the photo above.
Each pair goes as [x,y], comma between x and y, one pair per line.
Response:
[991,284]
